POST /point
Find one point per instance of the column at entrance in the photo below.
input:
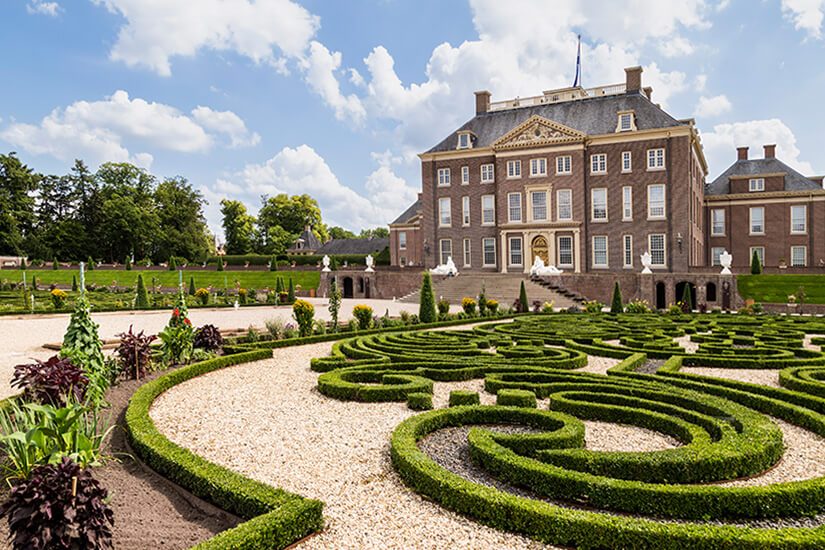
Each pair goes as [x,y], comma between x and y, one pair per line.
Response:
[528,250]
[577,255]
[551,249]
[502,255]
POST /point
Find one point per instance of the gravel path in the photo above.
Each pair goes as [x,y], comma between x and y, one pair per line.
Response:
[764,377]
[684,341]
[599,365]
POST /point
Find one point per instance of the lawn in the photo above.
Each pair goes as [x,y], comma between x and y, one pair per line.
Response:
[777,288]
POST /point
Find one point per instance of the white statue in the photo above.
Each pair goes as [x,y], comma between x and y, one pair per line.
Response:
[370,262]
[445,269]
[539,269]
[646,262]
[725,259]
[325,261]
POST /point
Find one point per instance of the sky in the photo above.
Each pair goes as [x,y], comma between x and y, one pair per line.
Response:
[247,98]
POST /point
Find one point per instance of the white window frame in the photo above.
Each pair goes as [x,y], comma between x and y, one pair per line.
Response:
[467,252]
[664,249]
[627,162]
[561,203]
[627,203]
[533,216]
[513,169]
[760,252]
[484,242]
[510,207]
[656,159]
[564,165]
[761,230]
[465,175]
[558,243]
[593,217]
[465,211]
[598,163]
[650,214]
[804,226]
[520,251]
[441,210]
[756,185]
[627,250]
[484,211]
[464,141]
[714,257]
[538,167]
[402,240]
[625,117]
[443,177]
[441,250]
[804,261]
[606,251]
[713,222]
[488,170]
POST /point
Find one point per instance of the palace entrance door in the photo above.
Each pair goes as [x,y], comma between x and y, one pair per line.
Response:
[539,248]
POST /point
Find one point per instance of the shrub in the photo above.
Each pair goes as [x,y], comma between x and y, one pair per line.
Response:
[192,286]
[275,327]
[90,264]
[141,298]
[675,309]
[464,397]
[135,353]
[443,307]
[469,306]
[482,301]
[547,307]
[364,316]
[319,327]
[419,401]
[74,283]
[492,305]
[637,306]
[81,342]
[687,301]
[516,398]
[52,382]
[593,306]
[522,298]
[303,312]
[23,264]
[58,298]
[426,303]
[242,296]
[208,338]
[178,337]
[220,264]
[128,264]
[251,336]
[173,266]
[59,506]
[203,295]
[273,263]
[55,264]
[756,265]
[291,292]
[290,331]
[334,304]
[616,302]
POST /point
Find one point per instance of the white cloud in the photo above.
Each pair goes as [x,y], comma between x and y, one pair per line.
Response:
[228,123]
[320,67]
[806,15]
[720,144]
[39,7]
[712,106]
[674,47]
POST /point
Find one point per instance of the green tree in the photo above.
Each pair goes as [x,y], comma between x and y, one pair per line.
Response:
[426,302]
[756,265]
[292,214]
[273,263]
[173,265]
[128,264]
[90,264]
[142,298]
[238,227]
[687,301]
[81,342]
[334,304]
[482,301]
[340,233]
[182,230]
[616,304]
[274,240]
[220,263]
[17,214]
[522,298]
[55,264]
[192,286]
[74,283]
[377,233]
[290,297]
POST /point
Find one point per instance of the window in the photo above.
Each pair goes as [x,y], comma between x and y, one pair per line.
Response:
[489,246]
[655,159]
[799,255]
[627,241]
[488,209]
[515,251]
[599,204]
[463,141]
[538,167]
[757,214]
[657,249]
[466,252]
[446,246]
[566,251]
[599,250]
[487,173]
[655,201]
[514,206]
[513,168]
[760,253]
[465,210]
[444,212]
[627,203]
[564,165]
[443,176]
[715,255]
[756,184]
[717,222]
[465,175]
[799,219]
[563,204]
[626,162]
[598,164]
[539,199]
[625,122]
[402,240]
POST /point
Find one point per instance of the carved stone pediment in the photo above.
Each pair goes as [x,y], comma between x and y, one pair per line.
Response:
[536,131]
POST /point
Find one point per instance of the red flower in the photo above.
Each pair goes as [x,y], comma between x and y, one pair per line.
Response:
[175,313]
[187,321]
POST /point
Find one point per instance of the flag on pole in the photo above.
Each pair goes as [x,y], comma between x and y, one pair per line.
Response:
[578,64]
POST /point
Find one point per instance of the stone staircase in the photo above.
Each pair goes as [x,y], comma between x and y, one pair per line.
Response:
[549,285]
[502,287]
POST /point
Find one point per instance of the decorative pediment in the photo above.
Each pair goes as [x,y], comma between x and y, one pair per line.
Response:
[536,131]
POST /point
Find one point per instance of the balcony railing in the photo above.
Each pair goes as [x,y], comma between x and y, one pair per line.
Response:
[558,96]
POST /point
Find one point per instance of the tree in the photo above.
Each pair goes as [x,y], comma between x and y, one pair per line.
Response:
[17,215]
[273,263]
[191,286]
[376,233]
[426,302]
[274,240]
[292,214]
[616,304]
[482,301]
[687,301]
[522,298]
[173,265]
[55,264]
[74,283]
[238,227]
[142,298]
[340,233]
[128,264]
[290,297]
[334,304]
[182,230]
[756,265]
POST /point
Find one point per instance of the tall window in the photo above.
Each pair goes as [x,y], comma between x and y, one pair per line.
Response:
[566,251]
[446,250]
[465,210]
[655,159]
[627,203]
[539,199]
[465,175]
[538,167]
[487,174]
[444,212]
[756,184]
[657,249]
[402,240]
[799,218]
[564,165]
[488,209]
[760,253]
[514,206]
[625,122]
[466,252]
[598,164]
[715,255]
[513,168]
[655,201]
[717,222]
[757,215]
[443,176]
[598,203]
[489,246]
[627,242]
[626,162]
[599,250]
[515,251]
[799,255]
[564,205]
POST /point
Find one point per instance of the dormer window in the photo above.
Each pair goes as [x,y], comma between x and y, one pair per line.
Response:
[757,184]
[464,141]
[626,122]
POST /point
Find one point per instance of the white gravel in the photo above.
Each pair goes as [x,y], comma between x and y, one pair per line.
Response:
[764,377]
[599,365]
[684,341]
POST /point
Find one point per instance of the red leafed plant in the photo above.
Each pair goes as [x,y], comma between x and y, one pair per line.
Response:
[209,338]
[51,382]
[135,353]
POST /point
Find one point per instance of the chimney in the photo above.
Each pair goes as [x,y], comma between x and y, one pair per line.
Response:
[648,92]
[633,82]
[742,153]
[770,151]
[308,228]
[482,102]
[420,196]
[818,180]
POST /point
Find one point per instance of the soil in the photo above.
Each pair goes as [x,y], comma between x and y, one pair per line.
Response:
[149,510]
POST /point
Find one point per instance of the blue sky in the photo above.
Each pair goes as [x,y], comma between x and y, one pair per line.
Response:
[247,97]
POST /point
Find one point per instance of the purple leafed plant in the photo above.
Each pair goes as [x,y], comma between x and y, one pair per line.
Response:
[134,353]
[209,338]
[51,382]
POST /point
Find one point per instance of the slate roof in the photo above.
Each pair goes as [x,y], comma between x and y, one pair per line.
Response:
[593,116]
[409,213]
[311,242]
[353,246]
[794,181]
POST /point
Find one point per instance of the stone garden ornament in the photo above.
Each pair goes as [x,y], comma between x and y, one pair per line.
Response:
[325,261]
[445,269]
[646,263]
[725,259]
[370,262]
[540,269]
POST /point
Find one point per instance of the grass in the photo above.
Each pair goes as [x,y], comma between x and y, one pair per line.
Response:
[777,288]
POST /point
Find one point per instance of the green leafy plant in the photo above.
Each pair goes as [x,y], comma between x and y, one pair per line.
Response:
[334,304]
[756,265]
[443,307]
[426,304]
[52,382]
[134,353]
[128,264]
[58,298]
[273,263]
[363,314]
[192,289]
[482,301]
[616,303]
[142,297]
[177,338]
[687,301]
[275,327]
[469,306]
[593,306]
[522,298]
[291,292]
[208,337]
[82,344]
[173,266]
[55,264]
[303,312]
